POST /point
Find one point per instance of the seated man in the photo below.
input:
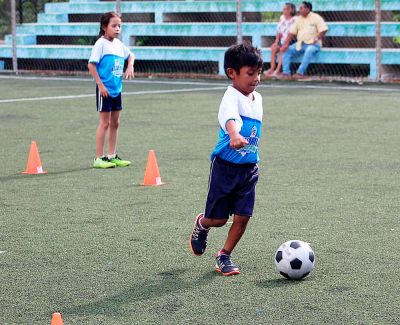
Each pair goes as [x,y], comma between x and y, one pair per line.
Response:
[309,29]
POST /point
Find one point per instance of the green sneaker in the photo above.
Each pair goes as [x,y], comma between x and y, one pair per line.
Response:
[119,162]
[103,162]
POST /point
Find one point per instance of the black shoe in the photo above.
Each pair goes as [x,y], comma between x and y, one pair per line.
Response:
[198,238]
[225,266]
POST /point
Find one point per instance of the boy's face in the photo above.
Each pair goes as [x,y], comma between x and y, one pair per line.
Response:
[247,80]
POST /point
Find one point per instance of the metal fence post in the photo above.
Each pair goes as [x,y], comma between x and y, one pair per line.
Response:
[378,39]
[118,6]
[14,37]
[239,34]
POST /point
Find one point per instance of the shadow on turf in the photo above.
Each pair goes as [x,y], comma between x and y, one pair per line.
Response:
[24,176]
[277,283]
[161,284]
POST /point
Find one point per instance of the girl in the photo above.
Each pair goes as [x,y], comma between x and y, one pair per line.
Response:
[106,65]
[283,28]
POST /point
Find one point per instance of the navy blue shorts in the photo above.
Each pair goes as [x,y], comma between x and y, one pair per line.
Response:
[231,189]
[109,103]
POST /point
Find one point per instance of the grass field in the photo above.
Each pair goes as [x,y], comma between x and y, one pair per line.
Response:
[101,249]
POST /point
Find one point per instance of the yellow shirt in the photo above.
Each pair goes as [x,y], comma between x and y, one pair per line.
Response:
[307,28]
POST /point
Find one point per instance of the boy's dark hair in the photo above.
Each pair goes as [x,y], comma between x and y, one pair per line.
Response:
[105,20]
[307,4]
[242,55]
[292,8]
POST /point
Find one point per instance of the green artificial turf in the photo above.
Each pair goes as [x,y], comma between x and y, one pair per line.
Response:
[101,249]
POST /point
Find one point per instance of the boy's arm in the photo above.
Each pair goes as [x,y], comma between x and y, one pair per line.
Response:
[93,71]
[129,73]
[236,140]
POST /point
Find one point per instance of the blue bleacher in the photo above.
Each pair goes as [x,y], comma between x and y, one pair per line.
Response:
[54,22]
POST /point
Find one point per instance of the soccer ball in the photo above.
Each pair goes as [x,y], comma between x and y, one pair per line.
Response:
[294,259]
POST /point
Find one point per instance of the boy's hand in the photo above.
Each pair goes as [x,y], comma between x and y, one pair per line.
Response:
[129,74]
[103,91]
[237,141]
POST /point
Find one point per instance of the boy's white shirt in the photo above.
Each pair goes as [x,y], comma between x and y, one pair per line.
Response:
[234,105]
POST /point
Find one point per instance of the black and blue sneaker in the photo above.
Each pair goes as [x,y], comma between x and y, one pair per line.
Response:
[225,266]
[198,237]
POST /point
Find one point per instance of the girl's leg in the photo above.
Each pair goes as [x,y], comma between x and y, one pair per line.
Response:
[235,232]
[274,50]
[104,122]
[279,67]
[113,132]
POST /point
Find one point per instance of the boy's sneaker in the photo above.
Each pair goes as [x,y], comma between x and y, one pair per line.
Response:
[103,162]
[120,162]
[225,266]
[198,237]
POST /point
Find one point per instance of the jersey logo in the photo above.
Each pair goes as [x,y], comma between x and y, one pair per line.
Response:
[252,145]
[118,68]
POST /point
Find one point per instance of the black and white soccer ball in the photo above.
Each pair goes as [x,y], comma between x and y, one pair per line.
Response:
[294,259]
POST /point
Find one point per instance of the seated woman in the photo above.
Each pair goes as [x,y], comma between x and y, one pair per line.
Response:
[285,22]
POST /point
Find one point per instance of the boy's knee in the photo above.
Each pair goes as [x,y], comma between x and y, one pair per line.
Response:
[220,222]
[312,49]
[241,220]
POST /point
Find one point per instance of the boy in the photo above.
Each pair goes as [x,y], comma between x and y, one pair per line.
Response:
[234,170]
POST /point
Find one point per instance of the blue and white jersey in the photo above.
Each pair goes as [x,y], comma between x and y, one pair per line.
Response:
[247,114]
[110,59]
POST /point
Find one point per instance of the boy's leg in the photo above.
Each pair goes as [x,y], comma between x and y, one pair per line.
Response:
[224,263]
[309,53]
[217,209]
[243,206]
[235,233]
[198,237]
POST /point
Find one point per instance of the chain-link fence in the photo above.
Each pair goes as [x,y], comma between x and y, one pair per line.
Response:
[174,38]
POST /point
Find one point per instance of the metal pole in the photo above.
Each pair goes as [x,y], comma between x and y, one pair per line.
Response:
[118,6]
[378,40]
[14,37]
[239,34]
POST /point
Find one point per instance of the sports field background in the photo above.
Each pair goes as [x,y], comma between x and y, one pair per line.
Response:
[101,249]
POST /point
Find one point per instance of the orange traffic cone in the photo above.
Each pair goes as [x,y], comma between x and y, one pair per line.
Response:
[152,174]
[34,165]
[56,319]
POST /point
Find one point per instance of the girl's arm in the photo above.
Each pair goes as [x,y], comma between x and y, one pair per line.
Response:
[129,73]
[278,38]
[102,89]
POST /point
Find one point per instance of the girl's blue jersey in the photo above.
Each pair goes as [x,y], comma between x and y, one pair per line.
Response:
[109,58]
[247,114]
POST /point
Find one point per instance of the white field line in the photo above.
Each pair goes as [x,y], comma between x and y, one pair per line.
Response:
[349,88]
[135,81]
[144,92]
[174,82]
[225,84]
